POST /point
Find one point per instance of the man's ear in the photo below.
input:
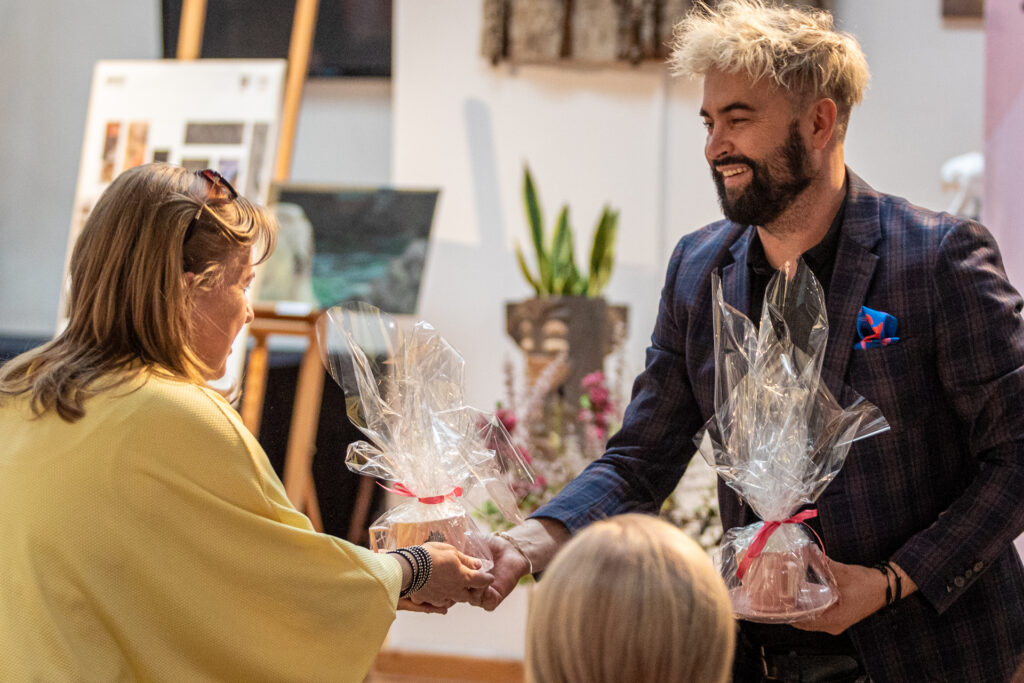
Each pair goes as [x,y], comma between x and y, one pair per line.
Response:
[823,115]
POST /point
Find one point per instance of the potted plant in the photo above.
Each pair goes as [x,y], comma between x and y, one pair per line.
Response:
[567,328]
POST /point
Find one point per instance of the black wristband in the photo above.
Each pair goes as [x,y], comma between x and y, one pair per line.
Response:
[885,569]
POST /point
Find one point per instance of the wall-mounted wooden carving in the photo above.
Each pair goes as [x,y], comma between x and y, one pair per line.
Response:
[582,31]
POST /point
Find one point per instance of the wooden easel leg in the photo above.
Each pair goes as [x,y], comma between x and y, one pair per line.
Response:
[357,528]
[298,464]
[255,385]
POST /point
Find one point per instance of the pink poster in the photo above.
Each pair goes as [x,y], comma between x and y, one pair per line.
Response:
[1003,204]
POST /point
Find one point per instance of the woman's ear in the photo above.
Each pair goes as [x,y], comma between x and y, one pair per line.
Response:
[187,279]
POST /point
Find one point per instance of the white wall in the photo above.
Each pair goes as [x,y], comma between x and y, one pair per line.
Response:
[46,58]
[630,137]
[925,103]
[46,61]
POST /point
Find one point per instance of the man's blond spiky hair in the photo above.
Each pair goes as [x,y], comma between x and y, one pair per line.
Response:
[796,48]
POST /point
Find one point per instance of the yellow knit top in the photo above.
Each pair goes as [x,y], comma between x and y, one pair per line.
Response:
[152,541]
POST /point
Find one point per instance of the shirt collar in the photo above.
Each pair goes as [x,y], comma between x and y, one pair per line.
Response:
[818,256]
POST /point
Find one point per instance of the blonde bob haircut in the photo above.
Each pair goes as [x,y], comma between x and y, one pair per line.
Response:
[798,49]
[129,304]
[631,598]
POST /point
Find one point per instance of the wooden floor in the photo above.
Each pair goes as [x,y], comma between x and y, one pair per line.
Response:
[410,667]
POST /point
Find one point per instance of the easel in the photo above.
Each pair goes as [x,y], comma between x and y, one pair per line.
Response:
[298,472]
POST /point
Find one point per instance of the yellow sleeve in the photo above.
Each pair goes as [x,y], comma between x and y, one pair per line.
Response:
[224,578]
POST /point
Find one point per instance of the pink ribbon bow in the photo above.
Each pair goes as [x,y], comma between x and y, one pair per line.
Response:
[761,538]
[403,490]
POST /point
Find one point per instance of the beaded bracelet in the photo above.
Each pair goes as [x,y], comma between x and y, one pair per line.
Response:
[420,562]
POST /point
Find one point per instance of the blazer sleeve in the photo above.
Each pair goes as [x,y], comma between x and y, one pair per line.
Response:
[648,455]
[979,341]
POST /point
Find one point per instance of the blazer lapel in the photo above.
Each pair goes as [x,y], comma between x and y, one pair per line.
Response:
[735,287]
[851,278]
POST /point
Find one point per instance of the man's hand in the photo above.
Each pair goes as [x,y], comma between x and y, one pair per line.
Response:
[509,566]
[861,594]
[540,539]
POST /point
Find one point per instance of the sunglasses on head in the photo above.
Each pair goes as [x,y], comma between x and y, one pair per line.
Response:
[220,188]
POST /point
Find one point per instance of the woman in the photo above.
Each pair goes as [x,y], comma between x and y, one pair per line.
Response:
[145,535]
[631,598]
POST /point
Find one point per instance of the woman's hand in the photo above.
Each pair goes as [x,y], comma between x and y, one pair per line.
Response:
[454,577]
[410,606]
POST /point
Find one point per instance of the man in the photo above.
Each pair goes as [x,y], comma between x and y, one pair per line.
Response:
[938,496]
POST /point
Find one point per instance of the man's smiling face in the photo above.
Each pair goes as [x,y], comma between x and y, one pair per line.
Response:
[754,146]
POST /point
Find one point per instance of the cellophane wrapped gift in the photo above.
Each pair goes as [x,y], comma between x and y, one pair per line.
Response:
[404,391]
[777,438]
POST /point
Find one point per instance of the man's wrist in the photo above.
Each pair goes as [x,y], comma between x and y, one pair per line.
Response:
[538,539]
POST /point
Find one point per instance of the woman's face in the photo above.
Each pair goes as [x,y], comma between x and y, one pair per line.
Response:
[219,313]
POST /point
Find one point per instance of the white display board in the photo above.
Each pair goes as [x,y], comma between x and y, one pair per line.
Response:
[212,113]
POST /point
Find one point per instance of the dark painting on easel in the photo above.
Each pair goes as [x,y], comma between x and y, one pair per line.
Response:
[338,244]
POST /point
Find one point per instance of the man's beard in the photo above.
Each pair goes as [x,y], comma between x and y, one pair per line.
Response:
[773,185]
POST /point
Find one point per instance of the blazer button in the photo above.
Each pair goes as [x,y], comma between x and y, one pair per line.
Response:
[959,582]
[968,574]
[978,566]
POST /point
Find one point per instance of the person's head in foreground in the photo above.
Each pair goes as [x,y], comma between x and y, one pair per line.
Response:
[158,281]
[631,598]
[779,84]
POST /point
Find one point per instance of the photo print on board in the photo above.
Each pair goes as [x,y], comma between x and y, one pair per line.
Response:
[229,169]
[135,147]
[195,164]
[214,133]
[109,161]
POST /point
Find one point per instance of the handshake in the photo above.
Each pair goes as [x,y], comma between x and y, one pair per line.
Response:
[435,576]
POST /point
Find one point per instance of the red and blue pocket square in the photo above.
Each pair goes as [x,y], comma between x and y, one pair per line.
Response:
[876,328]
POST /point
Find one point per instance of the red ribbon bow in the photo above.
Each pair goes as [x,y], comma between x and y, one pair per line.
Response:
[761,538]
[403,490]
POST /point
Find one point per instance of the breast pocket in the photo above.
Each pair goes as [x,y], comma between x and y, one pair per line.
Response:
[895,379]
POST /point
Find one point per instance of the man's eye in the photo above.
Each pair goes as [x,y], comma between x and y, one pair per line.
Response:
[707,124]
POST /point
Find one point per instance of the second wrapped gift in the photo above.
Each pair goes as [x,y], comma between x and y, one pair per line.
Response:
[777,438]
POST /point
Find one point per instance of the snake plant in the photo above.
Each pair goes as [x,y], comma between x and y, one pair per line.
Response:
[557,273]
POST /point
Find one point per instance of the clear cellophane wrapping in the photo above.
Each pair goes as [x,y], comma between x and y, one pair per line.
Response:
[404,391]
[777,438]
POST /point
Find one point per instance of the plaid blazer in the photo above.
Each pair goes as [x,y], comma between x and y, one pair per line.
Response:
[940,494]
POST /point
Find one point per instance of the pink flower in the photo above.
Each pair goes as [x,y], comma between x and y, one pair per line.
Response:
[507,418]
[594,379]
[599,397]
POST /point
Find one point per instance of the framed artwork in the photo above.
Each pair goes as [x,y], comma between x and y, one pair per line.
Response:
[338,244]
